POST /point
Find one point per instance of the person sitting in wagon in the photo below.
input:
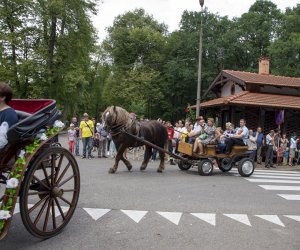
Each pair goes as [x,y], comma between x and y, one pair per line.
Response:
[198,129]
[240,138]
[205,138]
[8,116]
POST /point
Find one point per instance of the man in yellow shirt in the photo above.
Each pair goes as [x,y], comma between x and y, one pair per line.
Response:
[86,132]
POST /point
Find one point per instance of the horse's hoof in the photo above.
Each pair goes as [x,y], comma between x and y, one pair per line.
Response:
[159,170]
[129,167]
[142,168]
[111,171]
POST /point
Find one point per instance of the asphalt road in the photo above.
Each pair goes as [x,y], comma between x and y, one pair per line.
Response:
[233,212]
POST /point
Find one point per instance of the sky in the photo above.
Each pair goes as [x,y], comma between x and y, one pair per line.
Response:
[170,11]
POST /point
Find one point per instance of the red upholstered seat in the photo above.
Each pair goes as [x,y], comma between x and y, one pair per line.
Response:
[29,106]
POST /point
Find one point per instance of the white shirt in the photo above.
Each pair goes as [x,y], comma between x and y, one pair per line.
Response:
[293,143]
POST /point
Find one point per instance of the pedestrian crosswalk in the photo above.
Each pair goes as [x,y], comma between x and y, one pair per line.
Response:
[175,218]
[286,184]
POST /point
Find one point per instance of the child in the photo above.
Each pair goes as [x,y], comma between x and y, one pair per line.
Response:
[279,155]
[71,137]
[285,156]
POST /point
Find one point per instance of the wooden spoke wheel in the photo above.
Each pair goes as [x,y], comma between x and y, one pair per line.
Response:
[50,191]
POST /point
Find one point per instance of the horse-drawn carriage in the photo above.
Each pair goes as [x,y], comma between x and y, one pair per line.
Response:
[36,172]
[238,157]
[129,133]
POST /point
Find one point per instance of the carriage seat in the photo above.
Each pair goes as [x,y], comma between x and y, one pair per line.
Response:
[22,114]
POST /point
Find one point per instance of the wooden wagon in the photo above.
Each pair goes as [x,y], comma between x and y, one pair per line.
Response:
[239,157]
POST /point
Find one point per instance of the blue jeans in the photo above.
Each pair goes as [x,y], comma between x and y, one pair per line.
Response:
[77,140]
[87,145]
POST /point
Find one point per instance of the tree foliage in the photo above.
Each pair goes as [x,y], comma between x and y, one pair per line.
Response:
[48,49]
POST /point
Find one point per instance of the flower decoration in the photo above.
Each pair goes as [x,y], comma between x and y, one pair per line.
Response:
[42,136]
[4,215]
[58,124]
[22,153]
[12,183]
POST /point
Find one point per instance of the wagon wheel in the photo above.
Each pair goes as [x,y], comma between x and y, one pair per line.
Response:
[50,192]
[205,167]
[226,165]
[246,167]
[183,165]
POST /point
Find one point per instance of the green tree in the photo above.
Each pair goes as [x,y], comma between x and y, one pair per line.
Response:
[135,46]
[285,51]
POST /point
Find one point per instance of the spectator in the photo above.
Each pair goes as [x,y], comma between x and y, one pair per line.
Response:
[102,141]
[293,147]
[170,140]
[86,133]
[71,138]
[270,144]
[285,156]
[77,138]
[259,143]
[252,146]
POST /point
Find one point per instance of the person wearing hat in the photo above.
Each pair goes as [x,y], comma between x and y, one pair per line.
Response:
[86,133]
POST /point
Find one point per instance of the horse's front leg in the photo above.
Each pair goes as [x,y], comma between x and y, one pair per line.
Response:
[148,152]
[126,162]
[120,150]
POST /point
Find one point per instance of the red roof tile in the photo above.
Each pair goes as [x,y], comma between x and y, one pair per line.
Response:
[247,98]
[249,77]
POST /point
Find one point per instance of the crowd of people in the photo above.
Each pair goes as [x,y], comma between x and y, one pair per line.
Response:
[93,136]
[275,147]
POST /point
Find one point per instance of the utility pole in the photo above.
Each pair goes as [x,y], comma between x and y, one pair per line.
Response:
[200,62]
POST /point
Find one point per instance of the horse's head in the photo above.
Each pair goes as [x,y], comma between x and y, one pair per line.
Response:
[115,117]
[108,117]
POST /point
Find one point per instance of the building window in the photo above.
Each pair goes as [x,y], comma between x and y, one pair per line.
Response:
[232,91]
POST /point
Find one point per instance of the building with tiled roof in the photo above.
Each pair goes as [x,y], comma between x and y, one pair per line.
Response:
[257,97]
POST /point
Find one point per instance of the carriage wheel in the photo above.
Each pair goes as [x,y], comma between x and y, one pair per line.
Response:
[205,167]
[246,167]
[183,165]
[226,165]
[50,192]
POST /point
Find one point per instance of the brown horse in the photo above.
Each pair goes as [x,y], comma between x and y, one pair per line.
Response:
[117,119]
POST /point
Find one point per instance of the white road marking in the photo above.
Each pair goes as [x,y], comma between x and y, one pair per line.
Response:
[96,213]
[271,218]
[276,171]
[17,207]
[207,217]
[293,217]
[274,177]
[135,214]
[243,218]
[171,216]
[275,187]
[274,181]
[277,174]
[57,212]
[290,197]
